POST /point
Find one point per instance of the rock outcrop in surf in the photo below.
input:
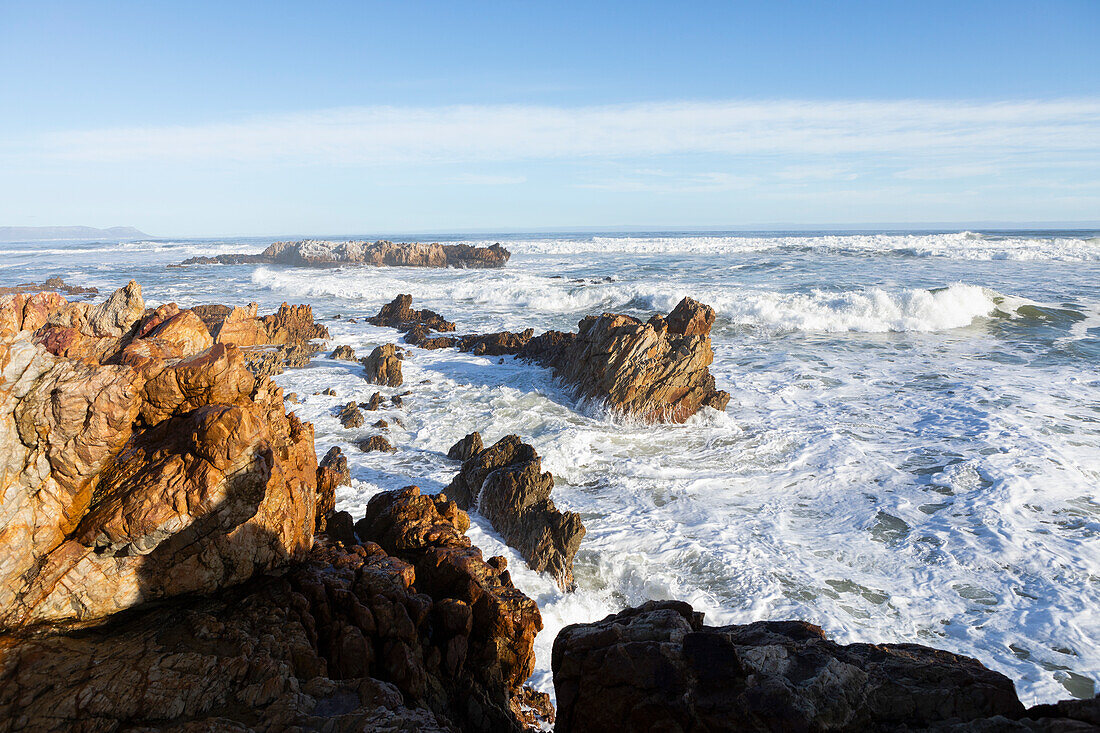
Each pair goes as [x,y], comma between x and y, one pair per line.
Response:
[382,253]
[655,370]
[507,486]
[657,667]
[383,366]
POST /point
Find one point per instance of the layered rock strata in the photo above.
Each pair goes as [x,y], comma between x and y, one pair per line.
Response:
[507,486]
[141,461]
[657,667]
[382,253]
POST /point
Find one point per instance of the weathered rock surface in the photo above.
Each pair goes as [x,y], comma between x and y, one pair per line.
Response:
[375,443]
[383,366]
[422,636]
[332,472]
[135,470]
[343,352]
[657,370]
[399,314]
[271,343]
[506,484]
[420,335]
[350,416]
[374,403]
[496,344]
[466,448]
[381,253]
[657,667]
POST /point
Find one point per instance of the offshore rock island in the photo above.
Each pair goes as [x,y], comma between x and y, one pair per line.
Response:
[173,558]
[314,253]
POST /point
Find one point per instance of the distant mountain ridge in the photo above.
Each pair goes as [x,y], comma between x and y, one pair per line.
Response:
[30,234]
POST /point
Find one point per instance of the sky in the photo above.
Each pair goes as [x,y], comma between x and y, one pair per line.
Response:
[321,118]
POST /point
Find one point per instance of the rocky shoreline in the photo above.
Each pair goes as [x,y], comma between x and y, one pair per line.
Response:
[173,558]
[314,253]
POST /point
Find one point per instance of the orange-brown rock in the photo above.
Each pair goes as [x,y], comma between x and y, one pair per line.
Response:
[506,484]
[657,370]
[375,443]
[496,344]
[332,472]
[383,366]
[142,478]
[54,284]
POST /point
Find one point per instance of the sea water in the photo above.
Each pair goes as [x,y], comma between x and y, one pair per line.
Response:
[911,452]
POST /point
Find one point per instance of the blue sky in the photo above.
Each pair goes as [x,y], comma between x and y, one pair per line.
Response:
[364,117]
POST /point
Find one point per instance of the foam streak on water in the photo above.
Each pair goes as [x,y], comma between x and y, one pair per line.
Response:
[911,452]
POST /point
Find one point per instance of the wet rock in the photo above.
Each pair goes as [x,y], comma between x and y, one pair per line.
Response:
[381,425]
[291,397]
[329,391]
[374,404]
[54,284]
[397,401]
[547,347]
[421,336]
[332,472]
[657,371]
[657,667]
[383,366]
[399,314]
[466,448]
[506,483]
[375,443]
[495,344]
[349,415]
[382,253]
[344,352]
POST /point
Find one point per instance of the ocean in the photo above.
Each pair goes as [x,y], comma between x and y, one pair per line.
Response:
[911,452]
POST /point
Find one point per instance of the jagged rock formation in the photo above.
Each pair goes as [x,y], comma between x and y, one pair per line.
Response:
[332,472]
[344,352]
[466,448]
[383,366]
[140,462]
[382,253]
[399,314]
[506,485]
[272,343]
[420,633]
[420,335]
[656,370]
[657,667]
[374,403]
[495,344]
[349,415]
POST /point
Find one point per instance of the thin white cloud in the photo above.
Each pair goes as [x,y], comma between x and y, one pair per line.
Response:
[458,134]
[484,179]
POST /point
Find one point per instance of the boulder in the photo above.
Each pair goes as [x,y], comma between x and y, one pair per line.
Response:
[657,371]
[383,366]
[374,403]
[506,484]
[466,448]
[375,443]
[399,314]
[313,253]
[343,352]
[349,415]
[657,667]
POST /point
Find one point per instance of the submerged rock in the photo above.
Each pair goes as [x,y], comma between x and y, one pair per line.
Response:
[312,253]
[399,314]
[383,366]
[657,371]
[506,484]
